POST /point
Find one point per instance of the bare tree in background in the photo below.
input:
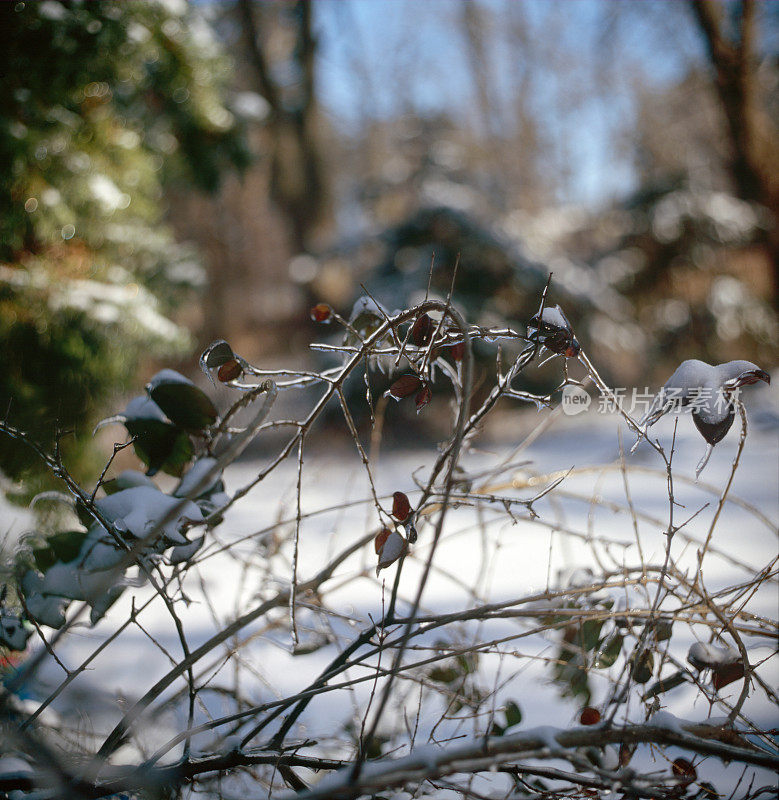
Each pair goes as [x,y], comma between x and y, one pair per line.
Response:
[513,143]
[732,41]
[297,182]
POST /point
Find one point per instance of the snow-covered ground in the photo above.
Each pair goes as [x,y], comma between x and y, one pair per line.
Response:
[482,557]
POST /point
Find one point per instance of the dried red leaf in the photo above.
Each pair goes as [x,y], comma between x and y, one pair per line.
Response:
[401,507]
[392,548]
[422,330]
[321,312]
[424,396]
[229,371]
[682,768]
[589,716]
[380,538]
[457,351]
[727,673]
[404,386]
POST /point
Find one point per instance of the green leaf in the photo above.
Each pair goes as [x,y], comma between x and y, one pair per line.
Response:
[641,666]
[126,480]
[216,354]
[570,671]
[375,746]
[366,316]
[160,445]
[183,403]
[663,629]
[443,675]
[102,604]
[609,651]
[66,545]
[44,558]
[59,547]
[468,662]
[590,634]
[84,515]
[513,714]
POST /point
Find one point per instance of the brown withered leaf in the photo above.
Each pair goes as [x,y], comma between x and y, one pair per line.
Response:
[726,674]
[422,330]
[401,507]
[404,386]
[380,538]
[424,396]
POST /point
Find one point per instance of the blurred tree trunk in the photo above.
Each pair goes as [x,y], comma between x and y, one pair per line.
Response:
[473,30]
[752,135]
[297,175]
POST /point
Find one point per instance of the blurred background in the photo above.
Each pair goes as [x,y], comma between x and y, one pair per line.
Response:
[174,172]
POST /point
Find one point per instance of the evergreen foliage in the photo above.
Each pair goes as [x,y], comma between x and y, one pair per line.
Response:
[102,105]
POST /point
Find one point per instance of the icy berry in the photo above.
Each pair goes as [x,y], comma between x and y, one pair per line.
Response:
[229,371]
[684,770]
[321,312]
[589,716]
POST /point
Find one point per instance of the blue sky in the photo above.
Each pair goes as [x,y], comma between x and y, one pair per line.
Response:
[412,56]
